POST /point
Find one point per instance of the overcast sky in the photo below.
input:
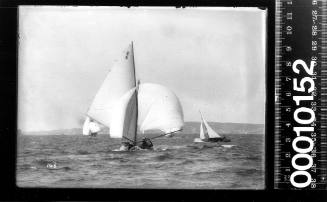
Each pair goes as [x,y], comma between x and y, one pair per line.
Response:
[213,59]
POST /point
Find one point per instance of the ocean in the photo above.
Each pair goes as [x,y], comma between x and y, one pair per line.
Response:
[175,163]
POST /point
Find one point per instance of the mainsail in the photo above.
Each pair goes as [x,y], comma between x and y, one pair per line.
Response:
[207,130]
[113,102]
[122,105]
[124,122]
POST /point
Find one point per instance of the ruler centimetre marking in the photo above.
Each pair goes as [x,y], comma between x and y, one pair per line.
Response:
[300,95]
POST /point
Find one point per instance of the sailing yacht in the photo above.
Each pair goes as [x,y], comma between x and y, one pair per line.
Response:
[124,105]
[207,134]
[90,127]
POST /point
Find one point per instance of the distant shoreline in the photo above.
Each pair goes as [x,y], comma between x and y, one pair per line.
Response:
[189,127]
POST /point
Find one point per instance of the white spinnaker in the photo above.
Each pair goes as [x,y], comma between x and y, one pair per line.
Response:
[159,109]
[123,117]
[119,80]
[211,132]
[86,128]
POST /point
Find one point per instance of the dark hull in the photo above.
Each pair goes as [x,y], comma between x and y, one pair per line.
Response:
[217,140]
[145,144]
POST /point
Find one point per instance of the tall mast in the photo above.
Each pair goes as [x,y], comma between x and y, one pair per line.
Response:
[204,127]
[201,116]
[136,93]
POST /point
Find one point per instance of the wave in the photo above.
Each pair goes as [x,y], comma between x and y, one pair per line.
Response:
[50,164]
[112,158]
[27,166]
[169,148]
[205,172]
[228,146]
[164,157]
[65,168]
[247,172]
[117,150]
[203,146]
[83,152]
[43,162]
[185,162]
[253,157]
[219,171]
[97,165]
[70,179]
[122,160]
[134,149]
[157,148]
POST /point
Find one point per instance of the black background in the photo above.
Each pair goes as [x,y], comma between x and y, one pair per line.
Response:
[8,79]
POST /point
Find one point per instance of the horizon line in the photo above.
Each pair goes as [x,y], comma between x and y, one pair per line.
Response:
[35,131]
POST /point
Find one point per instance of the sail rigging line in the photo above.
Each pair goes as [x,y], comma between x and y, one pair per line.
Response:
[95,120]
[136,93]
[136,108]
[164,134]
[161,135]
[133,141]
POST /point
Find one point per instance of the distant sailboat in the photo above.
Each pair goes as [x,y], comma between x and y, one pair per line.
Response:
[124,105]
[207,134]
[90,127]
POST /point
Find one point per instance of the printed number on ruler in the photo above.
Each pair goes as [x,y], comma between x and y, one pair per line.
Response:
[301,95]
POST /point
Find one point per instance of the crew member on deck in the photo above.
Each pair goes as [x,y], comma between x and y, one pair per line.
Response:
[146,143]
[126,146]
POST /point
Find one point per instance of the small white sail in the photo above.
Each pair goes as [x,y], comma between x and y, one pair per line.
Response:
[94,127]
[202,132]
[86,128]
[211,132]
[90,127]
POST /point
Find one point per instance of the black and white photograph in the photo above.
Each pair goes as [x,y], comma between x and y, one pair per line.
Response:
[141,97]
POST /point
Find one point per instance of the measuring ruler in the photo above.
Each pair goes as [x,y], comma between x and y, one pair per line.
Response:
[300,95]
